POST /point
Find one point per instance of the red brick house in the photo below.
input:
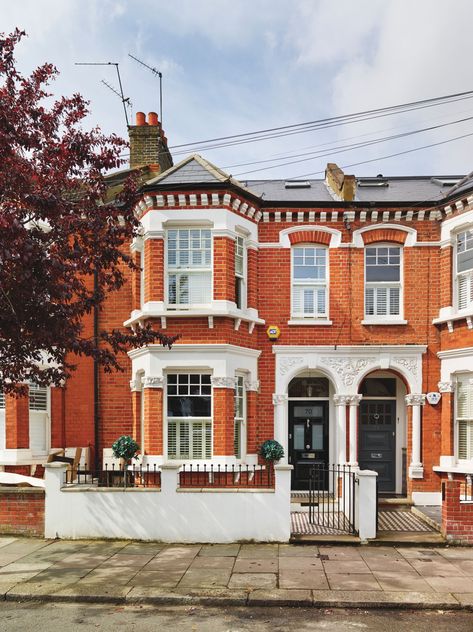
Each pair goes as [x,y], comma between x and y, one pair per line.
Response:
[318,312]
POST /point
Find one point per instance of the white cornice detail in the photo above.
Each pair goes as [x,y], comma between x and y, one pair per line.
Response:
[415,399]
[223,382]
[455,353]
[150,381]
[187,348]
[360,349]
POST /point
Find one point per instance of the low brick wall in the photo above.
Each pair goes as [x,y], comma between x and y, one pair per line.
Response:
[457,516]
[22,511]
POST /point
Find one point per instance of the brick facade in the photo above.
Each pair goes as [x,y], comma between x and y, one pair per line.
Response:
[22,511]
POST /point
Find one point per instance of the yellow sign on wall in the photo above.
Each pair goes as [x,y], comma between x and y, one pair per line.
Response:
[273,332]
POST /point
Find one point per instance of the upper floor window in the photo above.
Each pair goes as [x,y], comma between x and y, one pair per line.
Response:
[240,272]
[2,399]
[464,269]
[38,397]
[383,281]
[464,416]
[189,416]
[189,263]
[309,282]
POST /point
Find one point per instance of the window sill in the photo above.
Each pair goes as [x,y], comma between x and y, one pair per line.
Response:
[449,315]
[461,467]
[309,321]
[389,322]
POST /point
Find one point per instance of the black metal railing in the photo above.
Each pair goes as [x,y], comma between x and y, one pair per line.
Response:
[332,497]
[216,475]
[466,489]
[132,476]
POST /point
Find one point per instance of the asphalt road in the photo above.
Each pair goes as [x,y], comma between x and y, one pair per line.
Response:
[29,617]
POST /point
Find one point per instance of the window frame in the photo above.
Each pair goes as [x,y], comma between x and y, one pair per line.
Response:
[383,318]
[457,275]
[169,271]
[240,454]
[457,379]
[189,420]
[244,274]
[297,316]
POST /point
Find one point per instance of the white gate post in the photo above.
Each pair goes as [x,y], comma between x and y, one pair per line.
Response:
[365,507]
[53,503]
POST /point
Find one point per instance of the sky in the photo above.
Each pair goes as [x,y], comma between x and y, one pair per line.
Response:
[236,66]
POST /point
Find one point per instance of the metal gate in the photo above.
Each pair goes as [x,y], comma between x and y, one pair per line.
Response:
[332,490]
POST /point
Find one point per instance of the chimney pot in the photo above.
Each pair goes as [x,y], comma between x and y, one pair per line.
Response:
[152,118]
[140,118]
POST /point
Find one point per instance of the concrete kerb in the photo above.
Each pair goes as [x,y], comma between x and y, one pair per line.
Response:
[270,598]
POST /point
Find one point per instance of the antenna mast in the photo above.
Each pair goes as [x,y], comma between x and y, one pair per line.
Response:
[158,74]
[121,95]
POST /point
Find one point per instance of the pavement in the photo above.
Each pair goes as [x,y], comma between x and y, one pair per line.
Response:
[236,574]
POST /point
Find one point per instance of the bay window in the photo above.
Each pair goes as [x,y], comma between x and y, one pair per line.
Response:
[383,281]
[309,282]
[464,269]
[464,416]
[189,416]
[189,267]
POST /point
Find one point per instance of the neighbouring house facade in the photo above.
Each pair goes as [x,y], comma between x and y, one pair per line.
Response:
[320,313]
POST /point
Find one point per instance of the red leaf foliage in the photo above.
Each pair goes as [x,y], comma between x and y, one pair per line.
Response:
[57,231]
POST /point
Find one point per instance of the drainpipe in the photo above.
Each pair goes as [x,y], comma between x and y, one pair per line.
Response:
[96,378]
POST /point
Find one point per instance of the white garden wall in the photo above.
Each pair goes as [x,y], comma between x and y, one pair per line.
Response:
[169,515]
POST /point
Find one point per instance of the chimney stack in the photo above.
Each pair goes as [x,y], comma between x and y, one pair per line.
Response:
[343,187]
[148,144]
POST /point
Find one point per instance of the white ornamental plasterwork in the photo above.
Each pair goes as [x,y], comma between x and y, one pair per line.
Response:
[135,385]
[355,400]
[409,364]
[223,382]
[251,385]
[415,399]
[341,400]
[287,364]
[348,368]
[149,381]
[279,399]
[446,387]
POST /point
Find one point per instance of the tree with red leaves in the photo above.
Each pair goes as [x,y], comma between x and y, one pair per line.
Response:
[63,244]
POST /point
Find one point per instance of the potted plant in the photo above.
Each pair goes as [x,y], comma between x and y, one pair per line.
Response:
[125,449]
[271,451]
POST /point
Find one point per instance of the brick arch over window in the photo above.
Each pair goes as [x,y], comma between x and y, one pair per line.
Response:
[384,234]
[311,237]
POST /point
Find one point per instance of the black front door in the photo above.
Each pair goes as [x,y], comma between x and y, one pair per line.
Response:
[377,441]
[308,439]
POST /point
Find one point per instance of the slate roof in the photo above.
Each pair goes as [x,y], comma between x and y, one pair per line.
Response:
[197,171]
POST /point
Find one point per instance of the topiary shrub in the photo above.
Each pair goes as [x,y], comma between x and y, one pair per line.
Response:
[271,450]
[125,448]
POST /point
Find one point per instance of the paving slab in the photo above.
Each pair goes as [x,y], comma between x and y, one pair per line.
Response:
[214,597]
[214,562]
[290,550]
[280,597]
[156,579]
[458,553]
[258,551]
[109,575]
[92,593]
[205,578]
[464,599]
[353,582]
[17,576]
[178,552]
[24,565]
[252,581]
[300,563]
[120,559]
[5,587]
[219,550]
[265,565]
[81,560]
[402,581]
[341,553]
[381,599]
[466,566]
[6,541]
[440,568]
[349,566]
[142,548]
[34,590]
[57,575]
[414,553]
[392,564]
[303,579]
[165,563]
[383,552]
[450,584]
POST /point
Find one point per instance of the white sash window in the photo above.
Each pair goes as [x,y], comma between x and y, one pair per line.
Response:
[464,416]
[239,419]
[240,272]
[189,267]
[39,419]
[189,416]
[383,288]
[309,282]
[464,269]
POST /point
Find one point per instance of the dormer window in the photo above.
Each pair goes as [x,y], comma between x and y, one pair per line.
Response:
[189,267]
[464,269]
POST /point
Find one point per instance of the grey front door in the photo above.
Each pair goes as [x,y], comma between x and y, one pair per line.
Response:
[377,441]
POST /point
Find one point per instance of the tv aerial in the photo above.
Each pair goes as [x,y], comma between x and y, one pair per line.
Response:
[125,100]
[158,74]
